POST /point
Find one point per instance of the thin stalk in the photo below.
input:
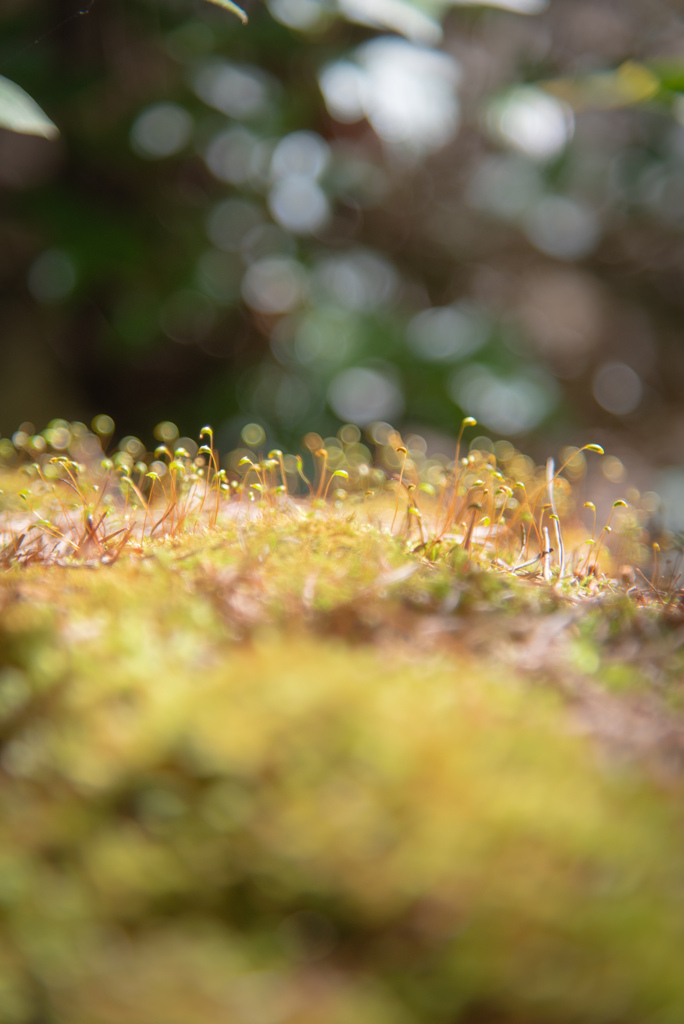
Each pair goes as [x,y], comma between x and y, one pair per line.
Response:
[401,480]
[550,480]
[469,421]
[322,453]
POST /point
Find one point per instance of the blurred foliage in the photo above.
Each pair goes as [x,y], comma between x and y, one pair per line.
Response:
[348,212]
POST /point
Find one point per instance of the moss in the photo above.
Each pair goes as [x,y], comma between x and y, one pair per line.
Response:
[279,764]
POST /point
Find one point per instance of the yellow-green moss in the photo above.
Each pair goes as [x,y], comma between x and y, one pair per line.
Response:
[274,773]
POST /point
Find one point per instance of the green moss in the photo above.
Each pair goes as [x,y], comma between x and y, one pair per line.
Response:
[268,762]
[226,812]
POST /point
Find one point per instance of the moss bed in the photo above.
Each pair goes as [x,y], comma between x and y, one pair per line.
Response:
[285,765]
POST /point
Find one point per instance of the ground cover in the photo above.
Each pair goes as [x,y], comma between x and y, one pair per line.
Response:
[325,755]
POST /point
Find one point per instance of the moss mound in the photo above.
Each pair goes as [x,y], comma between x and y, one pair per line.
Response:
[285,773]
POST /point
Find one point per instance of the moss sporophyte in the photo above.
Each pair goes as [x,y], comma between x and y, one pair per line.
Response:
[69,498]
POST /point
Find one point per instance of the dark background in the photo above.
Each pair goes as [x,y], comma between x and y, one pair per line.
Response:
[489,222]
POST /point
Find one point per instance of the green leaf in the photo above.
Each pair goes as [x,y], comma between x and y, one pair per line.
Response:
[230,6]
[20,113]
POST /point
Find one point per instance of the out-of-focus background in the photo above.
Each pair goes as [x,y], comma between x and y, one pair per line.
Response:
[366,211]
